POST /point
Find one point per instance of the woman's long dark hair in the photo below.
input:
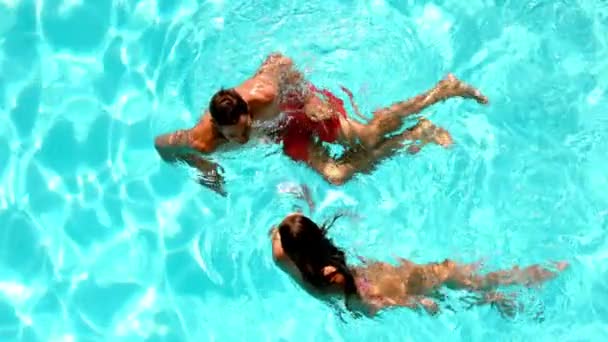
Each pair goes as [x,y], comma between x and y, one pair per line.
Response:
[308,247]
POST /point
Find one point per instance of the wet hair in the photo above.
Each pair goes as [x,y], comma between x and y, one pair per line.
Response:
[227,106]
[308,247]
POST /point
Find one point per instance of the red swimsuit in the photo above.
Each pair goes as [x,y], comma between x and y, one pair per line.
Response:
[299,129]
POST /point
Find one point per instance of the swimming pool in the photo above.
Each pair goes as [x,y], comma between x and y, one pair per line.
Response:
[102,241]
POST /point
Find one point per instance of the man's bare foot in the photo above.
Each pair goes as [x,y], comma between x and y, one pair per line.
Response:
[450,84]
[427,132]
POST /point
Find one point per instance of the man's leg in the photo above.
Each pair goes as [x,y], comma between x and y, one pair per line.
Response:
[390,119]
[358,159]
[423,133]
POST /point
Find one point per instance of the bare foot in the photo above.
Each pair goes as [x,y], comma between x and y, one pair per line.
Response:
[536,274]
[561,265]
[427,132]
[455,86]
[442,137]
[413,149]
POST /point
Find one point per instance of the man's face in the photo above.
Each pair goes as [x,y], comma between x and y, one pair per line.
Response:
[238,132]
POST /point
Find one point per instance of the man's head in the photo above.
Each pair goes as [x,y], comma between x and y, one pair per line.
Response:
[231,115]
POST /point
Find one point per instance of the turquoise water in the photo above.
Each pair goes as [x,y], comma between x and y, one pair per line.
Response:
[102,241]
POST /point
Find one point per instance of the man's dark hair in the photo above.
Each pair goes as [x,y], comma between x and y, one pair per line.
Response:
[226,107]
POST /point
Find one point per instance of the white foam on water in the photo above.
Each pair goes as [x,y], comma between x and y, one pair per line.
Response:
[594,96]
[434,26]
[218,23]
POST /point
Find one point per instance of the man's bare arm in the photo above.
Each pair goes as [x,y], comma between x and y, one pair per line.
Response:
[178,147]
[170,146]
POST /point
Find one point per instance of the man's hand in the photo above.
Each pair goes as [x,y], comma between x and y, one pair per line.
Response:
[210,175]
[214,181]
[178,147]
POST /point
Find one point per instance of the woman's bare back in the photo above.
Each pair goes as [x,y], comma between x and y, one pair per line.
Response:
[414,285]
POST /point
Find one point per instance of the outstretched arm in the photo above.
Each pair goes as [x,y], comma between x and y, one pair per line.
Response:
[178,147]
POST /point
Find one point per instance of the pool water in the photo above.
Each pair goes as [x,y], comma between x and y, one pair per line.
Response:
[101,241]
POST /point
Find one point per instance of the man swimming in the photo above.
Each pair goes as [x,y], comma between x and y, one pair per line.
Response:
[310,117]
[302,249]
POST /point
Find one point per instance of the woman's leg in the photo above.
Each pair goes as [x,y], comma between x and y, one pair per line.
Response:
[465,276]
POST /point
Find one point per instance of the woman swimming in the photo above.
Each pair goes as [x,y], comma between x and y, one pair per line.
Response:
[302,249]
